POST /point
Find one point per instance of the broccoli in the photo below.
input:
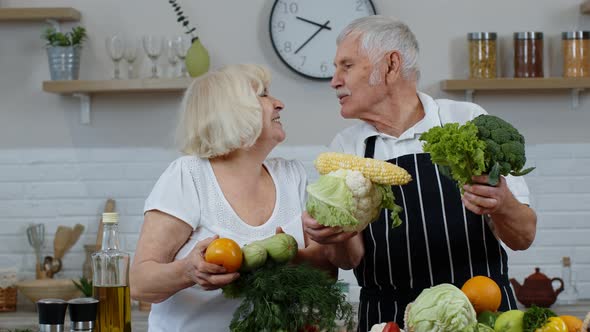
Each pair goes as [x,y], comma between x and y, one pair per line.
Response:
[504,152]
[484,145]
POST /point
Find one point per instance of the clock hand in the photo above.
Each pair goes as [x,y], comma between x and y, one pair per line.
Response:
[312,22]
[325,26]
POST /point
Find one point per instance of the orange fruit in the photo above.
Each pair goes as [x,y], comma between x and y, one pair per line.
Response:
[225,252]
[483,293]
[574,324]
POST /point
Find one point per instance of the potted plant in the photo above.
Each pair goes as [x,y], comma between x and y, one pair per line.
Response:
[63,52]
[197,57]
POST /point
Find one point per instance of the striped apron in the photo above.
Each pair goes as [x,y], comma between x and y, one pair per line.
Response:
[439,241]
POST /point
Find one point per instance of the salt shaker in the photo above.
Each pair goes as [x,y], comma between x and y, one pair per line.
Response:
[52,313]
[83,314]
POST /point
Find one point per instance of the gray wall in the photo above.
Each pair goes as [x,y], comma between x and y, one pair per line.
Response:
[236,31]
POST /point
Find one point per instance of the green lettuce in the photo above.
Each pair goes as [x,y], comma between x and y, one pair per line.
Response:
[457,150]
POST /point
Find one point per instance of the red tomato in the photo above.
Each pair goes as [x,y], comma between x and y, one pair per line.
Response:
[391,327]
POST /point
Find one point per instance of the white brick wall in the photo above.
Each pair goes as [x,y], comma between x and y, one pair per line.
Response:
[69,186]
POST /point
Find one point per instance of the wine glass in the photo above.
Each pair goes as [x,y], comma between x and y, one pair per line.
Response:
[130,54]
[115,47]
[181,46]
[171,55]
[152,46]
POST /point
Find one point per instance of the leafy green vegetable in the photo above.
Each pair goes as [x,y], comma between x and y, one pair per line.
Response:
[347,199]
[330,202]
[458,148]
[535,317]
[484,328]
[485,145]
[287,297]
[439,309]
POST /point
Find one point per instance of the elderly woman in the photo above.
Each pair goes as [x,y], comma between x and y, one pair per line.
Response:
[223,186]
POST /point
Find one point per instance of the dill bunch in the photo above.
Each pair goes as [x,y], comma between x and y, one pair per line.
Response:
[279,297]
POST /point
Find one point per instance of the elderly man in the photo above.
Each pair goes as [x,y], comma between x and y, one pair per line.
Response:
[446,237]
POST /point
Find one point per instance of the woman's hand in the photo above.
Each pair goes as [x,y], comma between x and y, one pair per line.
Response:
[207,275]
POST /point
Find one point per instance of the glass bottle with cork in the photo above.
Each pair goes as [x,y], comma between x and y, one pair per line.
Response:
[110,268]
[570,292]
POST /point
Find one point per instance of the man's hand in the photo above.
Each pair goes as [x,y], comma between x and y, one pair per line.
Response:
[323,234]
[481,198]
[342,249]
[514,223]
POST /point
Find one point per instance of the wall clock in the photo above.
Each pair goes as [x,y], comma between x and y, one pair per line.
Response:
[304,32]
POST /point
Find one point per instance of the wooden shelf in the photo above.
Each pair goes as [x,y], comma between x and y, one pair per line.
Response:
[117,86]
[585,7]
[85,89]
[469,86]
[39,14]
[505,84]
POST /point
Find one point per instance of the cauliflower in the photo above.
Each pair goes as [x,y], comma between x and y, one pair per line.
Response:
[347,199]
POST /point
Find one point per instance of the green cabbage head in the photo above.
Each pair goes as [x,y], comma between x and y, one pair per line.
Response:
[347,199]
[442,308]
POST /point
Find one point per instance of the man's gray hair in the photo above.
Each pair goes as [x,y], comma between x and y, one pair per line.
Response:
[381,34]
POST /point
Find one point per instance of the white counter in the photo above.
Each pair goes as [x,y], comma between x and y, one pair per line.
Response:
[27,318]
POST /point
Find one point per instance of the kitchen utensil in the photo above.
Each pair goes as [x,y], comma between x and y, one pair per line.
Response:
[537,289]
[65,238]
[108,208]
[36,237]
[76,232]
[51,266]
[61,241]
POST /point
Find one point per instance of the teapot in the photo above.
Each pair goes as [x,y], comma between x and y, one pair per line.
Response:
[537,289]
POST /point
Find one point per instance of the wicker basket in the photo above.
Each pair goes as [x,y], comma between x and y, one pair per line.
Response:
[8,299]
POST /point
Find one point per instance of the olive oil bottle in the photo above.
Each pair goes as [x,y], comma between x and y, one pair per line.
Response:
[110,280]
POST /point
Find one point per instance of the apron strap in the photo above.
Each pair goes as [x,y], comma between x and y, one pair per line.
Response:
[370,146]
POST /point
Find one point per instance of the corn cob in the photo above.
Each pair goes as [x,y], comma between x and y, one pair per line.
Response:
[377,171]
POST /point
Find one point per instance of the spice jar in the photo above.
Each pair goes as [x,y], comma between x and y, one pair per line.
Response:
[482,54]
[576,53]
[528,54]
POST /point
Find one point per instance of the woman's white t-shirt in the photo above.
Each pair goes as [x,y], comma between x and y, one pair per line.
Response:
[189,191]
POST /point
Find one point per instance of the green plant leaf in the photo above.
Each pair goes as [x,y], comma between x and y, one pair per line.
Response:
[85,286]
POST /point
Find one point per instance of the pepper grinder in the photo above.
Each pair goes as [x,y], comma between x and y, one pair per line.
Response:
[83,314]
[52,313]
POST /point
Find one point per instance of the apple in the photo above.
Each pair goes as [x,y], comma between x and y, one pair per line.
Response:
[509,321]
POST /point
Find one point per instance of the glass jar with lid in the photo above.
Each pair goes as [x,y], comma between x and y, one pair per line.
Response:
[576,53]
[528,54]
[482,54]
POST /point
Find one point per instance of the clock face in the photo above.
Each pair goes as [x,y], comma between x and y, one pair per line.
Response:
[304,32]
